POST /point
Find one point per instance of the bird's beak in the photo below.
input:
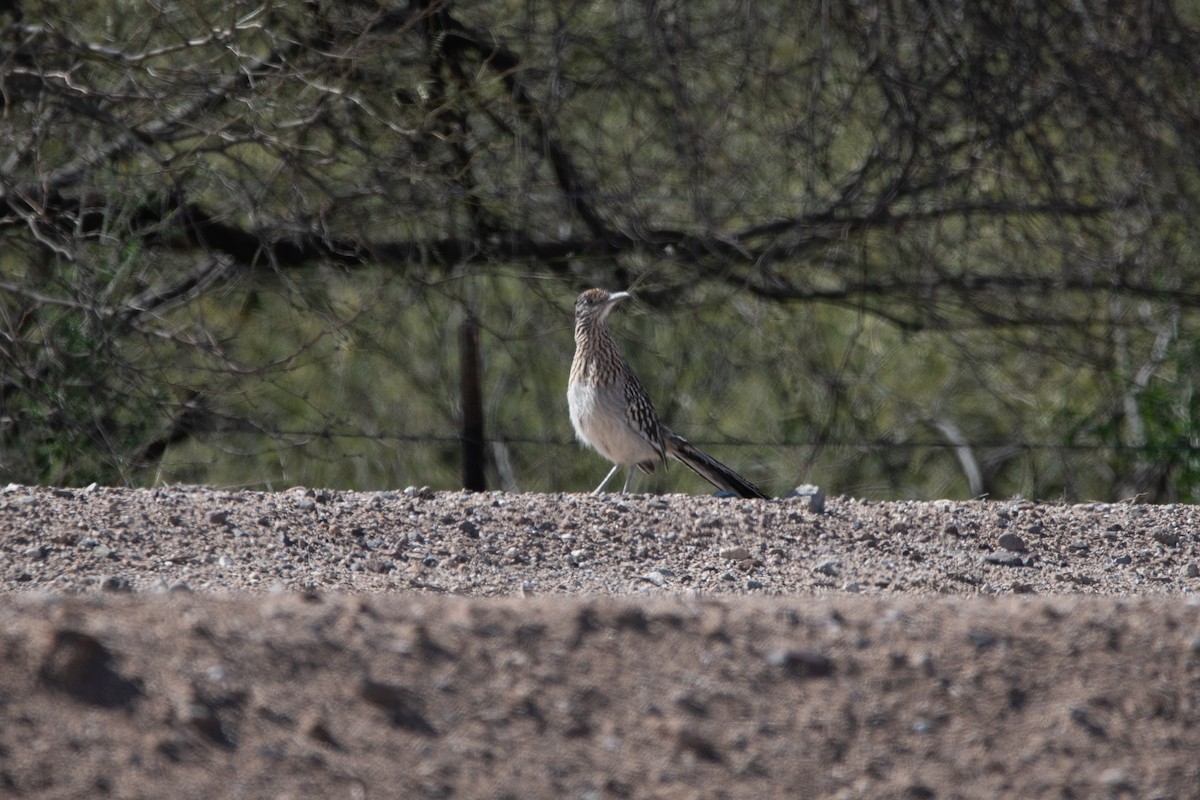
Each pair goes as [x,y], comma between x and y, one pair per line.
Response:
[617,297]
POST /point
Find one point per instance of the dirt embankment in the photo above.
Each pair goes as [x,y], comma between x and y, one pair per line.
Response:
[200,643]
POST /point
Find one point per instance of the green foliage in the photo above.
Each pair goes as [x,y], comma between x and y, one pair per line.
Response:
[79,417]
[874,246]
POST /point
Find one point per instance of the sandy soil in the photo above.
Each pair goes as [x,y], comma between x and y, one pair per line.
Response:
[189,642]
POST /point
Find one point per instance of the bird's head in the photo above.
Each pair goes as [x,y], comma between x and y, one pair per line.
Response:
[595,304]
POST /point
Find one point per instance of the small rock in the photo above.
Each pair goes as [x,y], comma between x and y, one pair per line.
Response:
[1011,542]
[1081,718]
[801,663]
[829,567]
[77,663]
[1123,560]
[1004,559]
[1166,538]
[734,553]
[752,584]
[316,729]
[1116,780]
[401,704]
[981,639]
[469,528]
[116,583]
[655,577]
[218,517]
[1192,570]
[814,495]
[37,552]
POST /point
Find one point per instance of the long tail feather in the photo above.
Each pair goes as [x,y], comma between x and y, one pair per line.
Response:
[709,468]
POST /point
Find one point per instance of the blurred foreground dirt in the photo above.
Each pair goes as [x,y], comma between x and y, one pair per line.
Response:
[427,645]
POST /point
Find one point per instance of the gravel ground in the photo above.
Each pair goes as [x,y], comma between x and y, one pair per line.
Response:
[496,544]
[411,643]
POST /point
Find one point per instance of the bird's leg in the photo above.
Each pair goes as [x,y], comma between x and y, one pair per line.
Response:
[607,477]
[628,480]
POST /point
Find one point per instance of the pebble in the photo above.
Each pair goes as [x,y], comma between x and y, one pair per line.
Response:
[1192,570]
[116,583]
[1011,542]
[814,495]
[734,553]
[1004,559]
[655,577]
[829,567]
[37,552]
[801,663]
[1166,538]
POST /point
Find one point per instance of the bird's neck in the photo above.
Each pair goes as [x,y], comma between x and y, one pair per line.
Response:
[594,332]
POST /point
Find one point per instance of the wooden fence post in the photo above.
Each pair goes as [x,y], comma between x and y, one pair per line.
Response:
[472,407]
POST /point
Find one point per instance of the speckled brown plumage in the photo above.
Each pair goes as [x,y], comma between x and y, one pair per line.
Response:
[611,411]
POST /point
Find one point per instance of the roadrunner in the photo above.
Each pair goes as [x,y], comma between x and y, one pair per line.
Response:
[612,412]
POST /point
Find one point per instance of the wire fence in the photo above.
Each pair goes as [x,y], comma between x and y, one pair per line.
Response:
[850,443]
